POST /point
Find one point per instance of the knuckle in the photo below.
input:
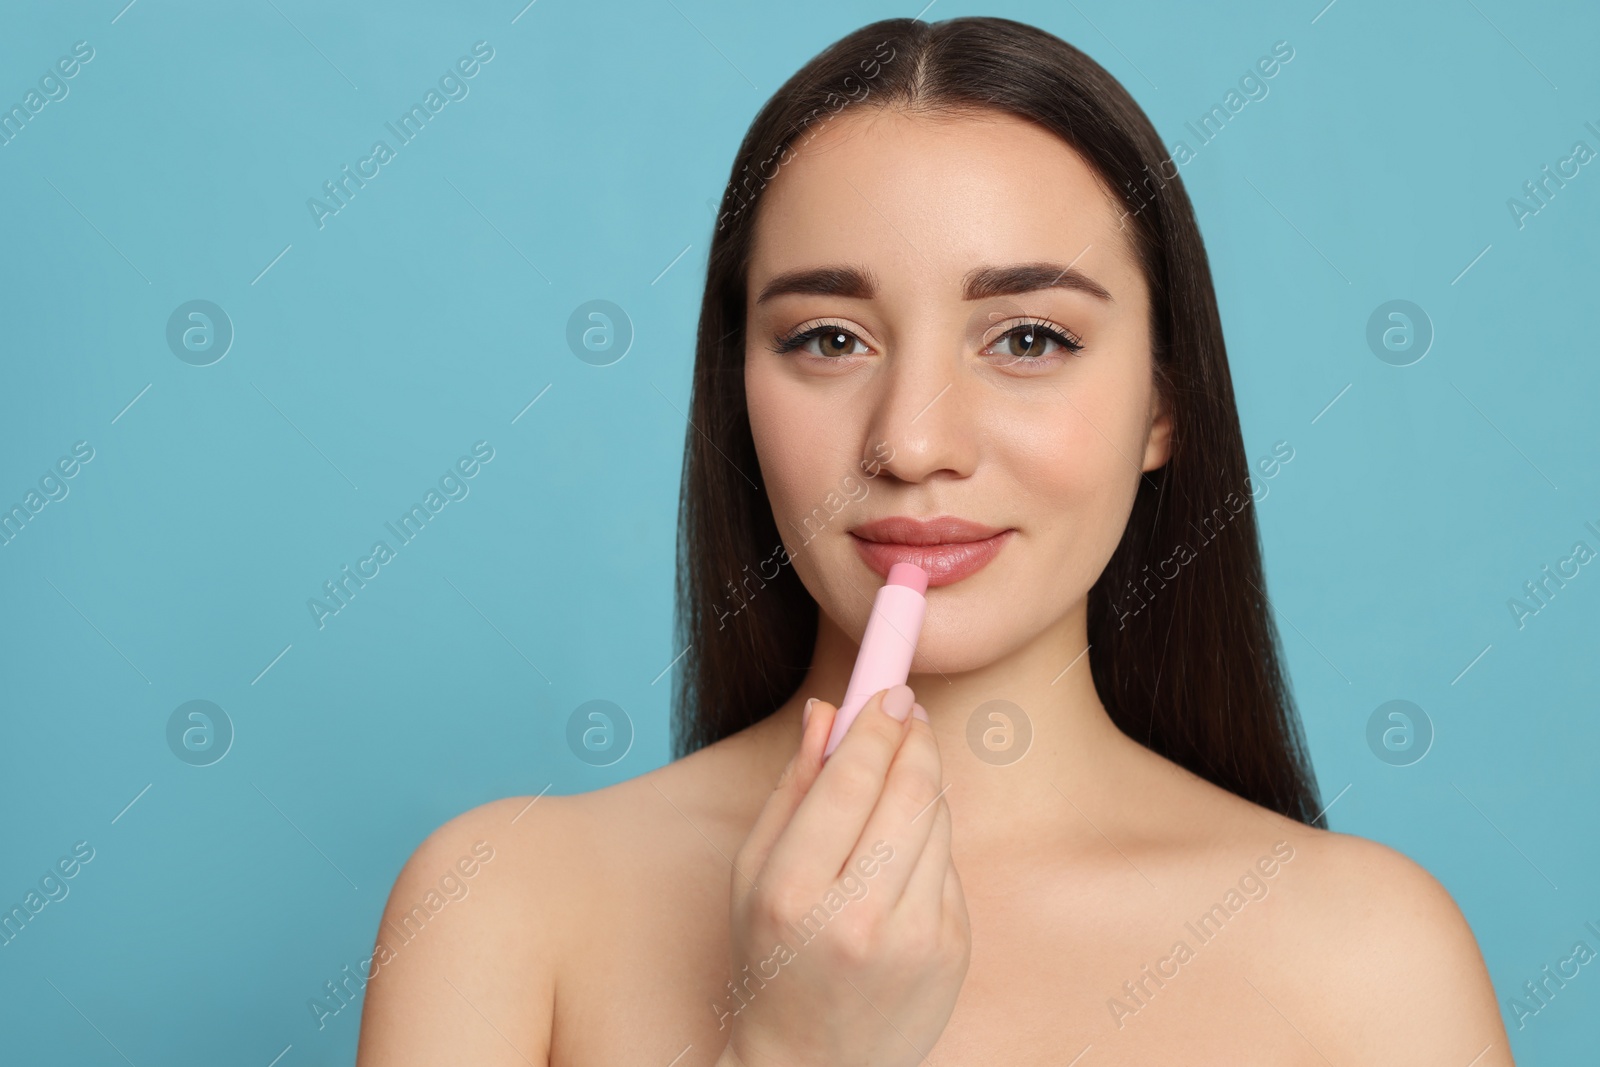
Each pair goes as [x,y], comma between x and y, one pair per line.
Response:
[921,740]
[780,905]
[858,940]
[924,763]
[918,783]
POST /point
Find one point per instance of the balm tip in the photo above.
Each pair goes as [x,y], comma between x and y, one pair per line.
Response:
[909,575]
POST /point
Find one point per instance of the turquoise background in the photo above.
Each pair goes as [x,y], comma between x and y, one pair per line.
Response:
[425,316]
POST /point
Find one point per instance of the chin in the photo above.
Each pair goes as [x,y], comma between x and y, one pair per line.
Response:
[959,637]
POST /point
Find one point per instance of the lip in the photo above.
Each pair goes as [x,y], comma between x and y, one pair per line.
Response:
[947,547]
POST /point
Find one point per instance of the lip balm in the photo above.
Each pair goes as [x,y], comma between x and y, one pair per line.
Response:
[884,660]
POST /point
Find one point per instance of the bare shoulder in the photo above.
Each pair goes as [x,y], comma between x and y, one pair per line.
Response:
[463,967]
[487,914]
[1356,945]
[1381,956]
[472,940]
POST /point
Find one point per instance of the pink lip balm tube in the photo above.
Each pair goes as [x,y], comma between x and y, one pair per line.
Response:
[887,646]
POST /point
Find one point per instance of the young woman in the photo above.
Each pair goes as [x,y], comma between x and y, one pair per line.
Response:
[957,312]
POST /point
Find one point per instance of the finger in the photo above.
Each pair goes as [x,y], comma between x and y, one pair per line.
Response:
[906,813]
[791,788]
[824,828]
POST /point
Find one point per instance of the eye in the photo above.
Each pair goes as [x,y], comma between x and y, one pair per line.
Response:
[1028,342]
[833,341]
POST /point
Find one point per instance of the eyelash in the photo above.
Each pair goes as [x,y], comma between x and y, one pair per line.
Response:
[783,344]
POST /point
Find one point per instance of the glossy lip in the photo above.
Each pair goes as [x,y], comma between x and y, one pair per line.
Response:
[947,547]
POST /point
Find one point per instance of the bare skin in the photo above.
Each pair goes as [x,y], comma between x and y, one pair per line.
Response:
[1033,910]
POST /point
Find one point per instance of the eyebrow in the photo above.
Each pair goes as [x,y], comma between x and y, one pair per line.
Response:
[981,283]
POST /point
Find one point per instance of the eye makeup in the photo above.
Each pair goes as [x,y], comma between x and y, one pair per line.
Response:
[1037,332]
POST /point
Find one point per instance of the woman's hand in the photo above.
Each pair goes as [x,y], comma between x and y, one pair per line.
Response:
[849,929]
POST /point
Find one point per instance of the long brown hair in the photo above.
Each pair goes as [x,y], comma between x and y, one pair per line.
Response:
[1186,663]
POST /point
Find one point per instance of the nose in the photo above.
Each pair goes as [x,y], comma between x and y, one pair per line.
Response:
[921,425]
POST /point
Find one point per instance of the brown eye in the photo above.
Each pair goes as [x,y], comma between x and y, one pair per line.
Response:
[1030,342]
[832,342]
[1026,342]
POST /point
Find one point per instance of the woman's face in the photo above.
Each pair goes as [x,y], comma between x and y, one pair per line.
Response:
[937,386]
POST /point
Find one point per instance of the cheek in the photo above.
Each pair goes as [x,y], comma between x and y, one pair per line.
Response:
[1071,455]
[1076,462]
[798,451]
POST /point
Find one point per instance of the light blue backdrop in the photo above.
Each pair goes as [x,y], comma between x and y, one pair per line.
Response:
[371,352]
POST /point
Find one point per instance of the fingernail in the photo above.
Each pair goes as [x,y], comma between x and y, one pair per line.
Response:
[897,702]
[920,712]
[805,716]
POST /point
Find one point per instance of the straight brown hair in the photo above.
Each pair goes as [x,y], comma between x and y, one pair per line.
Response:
[1188,664]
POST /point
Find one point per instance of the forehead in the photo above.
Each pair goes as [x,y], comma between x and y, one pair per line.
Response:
[924,198]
